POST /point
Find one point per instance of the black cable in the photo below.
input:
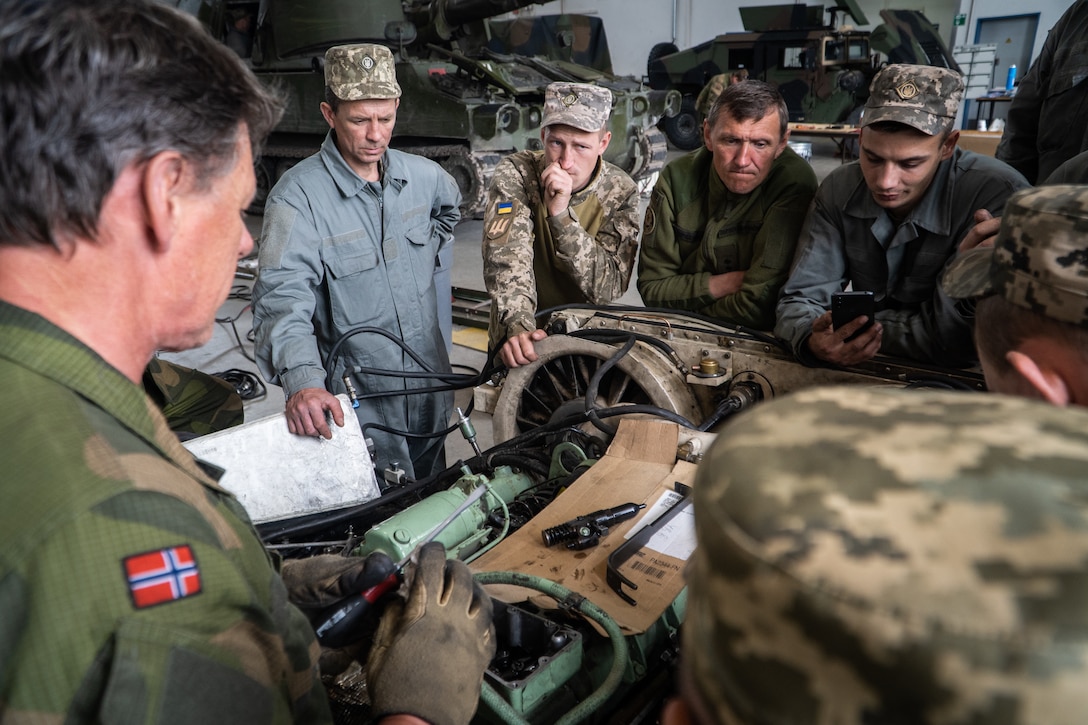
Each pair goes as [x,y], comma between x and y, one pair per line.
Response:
[234,327]
[248,385]
[595,383]
[644,313]
[455,381]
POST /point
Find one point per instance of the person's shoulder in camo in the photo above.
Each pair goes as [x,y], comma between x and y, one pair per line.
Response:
[889,556]
[1029,292]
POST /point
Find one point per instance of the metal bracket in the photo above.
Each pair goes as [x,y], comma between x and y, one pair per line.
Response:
[625,551]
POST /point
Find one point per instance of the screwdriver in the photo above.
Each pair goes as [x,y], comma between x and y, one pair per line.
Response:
[340,627]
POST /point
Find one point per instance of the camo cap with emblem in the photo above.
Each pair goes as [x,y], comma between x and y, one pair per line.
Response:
[1039,260]
[892,556]
[361,72]
[920,96]
[579,105]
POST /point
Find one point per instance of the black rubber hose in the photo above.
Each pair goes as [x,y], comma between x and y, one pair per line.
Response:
[595,383]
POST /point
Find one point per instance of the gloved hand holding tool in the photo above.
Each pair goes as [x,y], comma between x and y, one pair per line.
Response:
[319,583]
[430,651]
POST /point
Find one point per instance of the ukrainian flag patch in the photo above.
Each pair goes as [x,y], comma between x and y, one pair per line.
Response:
[504,207]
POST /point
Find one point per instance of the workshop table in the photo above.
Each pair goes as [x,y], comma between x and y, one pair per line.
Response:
[840,133]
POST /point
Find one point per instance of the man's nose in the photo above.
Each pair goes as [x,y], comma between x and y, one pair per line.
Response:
[887,178]
[744,154]
[246,243]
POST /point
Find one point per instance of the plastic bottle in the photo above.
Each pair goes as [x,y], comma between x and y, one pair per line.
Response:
[1010,80]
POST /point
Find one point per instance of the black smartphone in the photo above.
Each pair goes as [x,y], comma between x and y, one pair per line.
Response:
[848,306]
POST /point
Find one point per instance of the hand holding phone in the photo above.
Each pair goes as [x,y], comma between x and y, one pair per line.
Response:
[848,306]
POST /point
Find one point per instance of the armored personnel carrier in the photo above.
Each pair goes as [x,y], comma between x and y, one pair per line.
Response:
[822,69]
[464,104]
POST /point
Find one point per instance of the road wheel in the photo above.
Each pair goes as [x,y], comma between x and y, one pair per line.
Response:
[685,129]
[554,386]
[656,74]
[466,170]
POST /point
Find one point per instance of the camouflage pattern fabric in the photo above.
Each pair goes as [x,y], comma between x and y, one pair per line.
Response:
[533,261]
[578,105]
[361,72]
[1039,260]
[714,88]
[890,556]
[921,96]
[194,403]
[132,588]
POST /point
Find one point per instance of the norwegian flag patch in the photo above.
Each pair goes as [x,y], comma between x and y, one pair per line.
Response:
[166,575]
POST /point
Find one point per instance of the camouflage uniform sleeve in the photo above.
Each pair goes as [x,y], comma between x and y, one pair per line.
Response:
[221,644]
[508,250]
[601,265]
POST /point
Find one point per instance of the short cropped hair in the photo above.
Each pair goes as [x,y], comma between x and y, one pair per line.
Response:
[87,88]
[750,101]
[1001,327]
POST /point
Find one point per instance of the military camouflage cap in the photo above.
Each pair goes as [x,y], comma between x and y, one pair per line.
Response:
[580,105]
[361,72]
[1039,260]
[922,96]
[892,556]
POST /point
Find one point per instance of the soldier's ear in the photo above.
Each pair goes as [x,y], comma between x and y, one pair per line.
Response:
[165,179]
[949,144]
[328,113]
[1047,381]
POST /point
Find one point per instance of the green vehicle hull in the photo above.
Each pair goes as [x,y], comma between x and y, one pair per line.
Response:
[467,98]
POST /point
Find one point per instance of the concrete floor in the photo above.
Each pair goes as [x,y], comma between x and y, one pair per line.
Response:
[224,352]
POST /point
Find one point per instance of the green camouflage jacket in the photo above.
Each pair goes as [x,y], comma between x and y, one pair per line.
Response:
[533,261]
[132,588]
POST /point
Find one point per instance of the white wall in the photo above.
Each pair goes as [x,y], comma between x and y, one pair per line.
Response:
[634,26]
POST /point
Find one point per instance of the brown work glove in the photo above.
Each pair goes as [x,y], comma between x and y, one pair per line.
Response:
[318,585]
[430,652]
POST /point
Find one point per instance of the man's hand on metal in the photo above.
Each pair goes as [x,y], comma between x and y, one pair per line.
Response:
[319,583]
[306,412]
[830,345]
[430,652]
[983,233]
[558,188]
[519,350]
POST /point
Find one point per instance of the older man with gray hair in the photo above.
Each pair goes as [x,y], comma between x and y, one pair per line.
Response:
[350,240]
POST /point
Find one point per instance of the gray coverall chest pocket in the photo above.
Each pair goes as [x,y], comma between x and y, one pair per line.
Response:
[352,271]
[424,253]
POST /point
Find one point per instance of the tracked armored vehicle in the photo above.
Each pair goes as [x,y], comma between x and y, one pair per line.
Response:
[464,104]
[822,69]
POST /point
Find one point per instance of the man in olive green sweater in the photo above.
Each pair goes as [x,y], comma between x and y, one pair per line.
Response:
[723,222]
